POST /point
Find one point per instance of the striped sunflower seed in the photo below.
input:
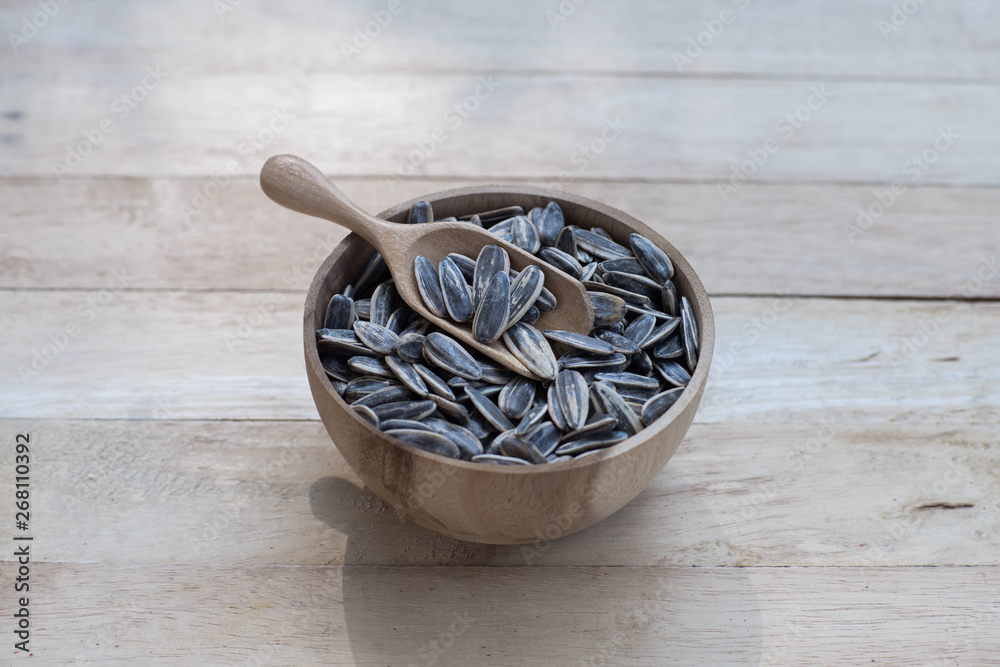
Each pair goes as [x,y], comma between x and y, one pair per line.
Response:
[391,394]
[572,395]
[428,441]
[580,342]
[608,308]
[489,410]
[550,223]
[429,286]
[405,410]
[445,352]
[411,347]
[562,261]
[530,347]
[656,263]
[492,260]
[376,338]
[339,312]
[385,300]
[493,310]
[421,212]
[524,234]
[658,405]
[407,375]
[606,399]
[457,299]
[524,292]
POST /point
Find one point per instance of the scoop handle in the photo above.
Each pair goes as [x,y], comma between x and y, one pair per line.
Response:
[298,185]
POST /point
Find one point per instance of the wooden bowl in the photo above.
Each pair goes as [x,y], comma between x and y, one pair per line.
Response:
[499,504]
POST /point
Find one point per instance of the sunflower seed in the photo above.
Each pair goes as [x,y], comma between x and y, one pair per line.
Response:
[580,360]
[599,423]
[398,320]
[550,223]
[588,271]
[580,342]
[530,347]
[633,283]
[339,312]
[535,214]
[668,297]
[397,424]
[658,266]
[606,399]
[572,394]
[376,338]
[599,246]
[466,265]
[641,364]
[493,310]
[521,448]
[370,366]
[341,341]
[656,406]
[556,413]
[546,301]
[494,373]
[601,231]
[407,375]
[566,241]
[619,342]
[391,394]
[446,353]
[640,328]
[336,367]
[624,265]
[627,296]
[373,273]
[363,309]
[524,291]
[434,382]
[496,458]
[428,441]
[488,409]
[457,299]
[591,443]
[429,286]
[524,235]
[492,260]
[466,441]
[419,326]
[620,380]
[385,299]
[561,261]
[365,385]
[498,214]
[479,426]
[669,349]
[672,372]
[503,228]
[659,333]
[411,347]
[545,437]
[405,410]
[367,414]
[420,212]
[531,316]
[690,329]
[608,309]
[532,419]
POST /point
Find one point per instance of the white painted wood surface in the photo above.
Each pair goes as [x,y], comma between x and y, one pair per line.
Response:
[837,500]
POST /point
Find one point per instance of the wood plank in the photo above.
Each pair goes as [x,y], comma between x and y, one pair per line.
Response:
[932,241]
[244,493]
[955,39]
[498,616]
[237,355]
[534,127]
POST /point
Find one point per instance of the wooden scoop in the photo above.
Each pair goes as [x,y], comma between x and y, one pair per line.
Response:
[299,186]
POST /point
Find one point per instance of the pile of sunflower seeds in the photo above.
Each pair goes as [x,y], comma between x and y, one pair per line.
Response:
[417,384]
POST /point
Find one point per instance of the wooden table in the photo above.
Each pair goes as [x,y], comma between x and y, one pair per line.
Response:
[837,500]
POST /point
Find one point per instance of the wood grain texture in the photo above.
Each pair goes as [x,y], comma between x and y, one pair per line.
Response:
[238,355]
[252,493]
[279,615]
[196,124]
[929,243]
[766,37]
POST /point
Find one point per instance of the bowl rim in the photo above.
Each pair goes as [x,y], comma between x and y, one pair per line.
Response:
[706,329]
